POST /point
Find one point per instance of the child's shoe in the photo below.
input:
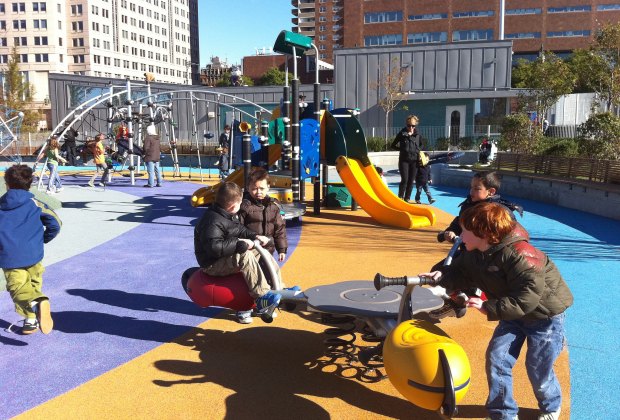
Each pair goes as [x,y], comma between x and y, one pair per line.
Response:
[431,200]
[418,202]
[101,184]
[59,189]
[91,184]
[266,304]
[549,416]
[44,315]
[244,317]
[30,326]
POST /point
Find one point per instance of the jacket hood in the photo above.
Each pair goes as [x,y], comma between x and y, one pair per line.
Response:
[517,235]
[15,198]
[497,199]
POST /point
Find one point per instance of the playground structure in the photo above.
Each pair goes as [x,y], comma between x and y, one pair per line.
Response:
[10,129]
[422,362]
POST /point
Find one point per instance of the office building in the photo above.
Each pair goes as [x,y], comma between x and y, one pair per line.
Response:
[554,25]
[113,39]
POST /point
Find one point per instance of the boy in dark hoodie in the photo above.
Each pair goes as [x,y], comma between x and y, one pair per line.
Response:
[25,225]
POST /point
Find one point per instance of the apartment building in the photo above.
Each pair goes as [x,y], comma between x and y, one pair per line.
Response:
[115,39]
[555,25]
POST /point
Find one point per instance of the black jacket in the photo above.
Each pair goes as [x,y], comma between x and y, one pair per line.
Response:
[456,227]
[409,145]
[70,136]
[423,175]
[224,140]
[217,235]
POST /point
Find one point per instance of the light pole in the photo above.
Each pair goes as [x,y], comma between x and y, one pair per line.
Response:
[188,66]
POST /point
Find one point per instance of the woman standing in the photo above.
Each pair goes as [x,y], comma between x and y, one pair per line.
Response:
[409,143]
[53,157]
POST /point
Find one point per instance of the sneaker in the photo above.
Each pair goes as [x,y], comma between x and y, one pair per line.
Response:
[549,416]
[244,317]
[49,192]
[91,184]
[158,185]
[101,184]
[147,186]
[293,288]
[418,202]
[449,308]
[267,303]
[44,315]
[59,189]
[30,326]
[431,200]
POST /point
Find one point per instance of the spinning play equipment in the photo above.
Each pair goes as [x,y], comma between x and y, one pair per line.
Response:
[422,362]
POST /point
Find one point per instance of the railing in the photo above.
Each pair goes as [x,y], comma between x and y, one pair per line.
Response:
[579,169]
[468,137]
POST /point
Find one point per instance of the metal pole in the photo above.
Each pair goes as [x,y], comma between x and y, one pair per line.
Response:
[502,12]
[286,103]
[264,128]
[317,115]
[295,132]
[247,158]
[325,167]
[129,121]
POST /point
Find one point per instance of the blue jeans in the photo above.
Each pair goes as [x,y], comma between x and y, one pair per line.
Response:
[154,171]
[54,181]
[545,340]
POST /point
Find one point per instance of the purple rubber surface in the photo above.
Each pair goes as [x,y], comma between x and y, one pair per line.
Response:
[111,303]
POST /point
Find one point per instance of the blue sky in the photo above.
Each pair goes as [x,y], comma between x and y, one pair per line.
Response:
[235,28]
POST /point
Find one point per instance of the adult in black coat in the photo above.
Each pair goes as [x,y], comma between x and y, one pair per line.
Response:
[69,146]
[409,142]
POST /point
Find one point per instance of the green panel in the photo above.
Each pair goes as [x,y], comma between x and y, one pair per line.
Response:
[337,195]
[277,131]
[286,40]
[353,135]
[334,139]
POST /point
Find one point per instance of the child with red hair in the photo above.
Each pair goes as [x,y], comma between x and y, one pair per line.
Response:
[526,294]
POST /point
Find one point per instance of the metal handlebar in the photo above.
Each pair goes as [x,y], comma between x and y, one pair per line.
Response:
[382,281]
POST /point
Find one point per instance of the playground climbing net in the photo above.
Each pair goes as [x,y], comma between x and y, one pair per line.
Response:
[10,128]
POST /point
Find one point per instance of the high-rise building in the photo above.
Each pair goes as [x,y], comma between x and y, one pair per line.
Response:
[553,25]
[104,38]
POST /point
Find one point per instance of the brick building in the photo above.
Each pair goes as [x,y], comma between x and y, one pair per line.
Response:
[555,25]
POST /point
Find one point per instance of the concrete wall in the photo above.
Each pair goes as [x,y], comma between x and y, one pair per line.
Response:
[560,193]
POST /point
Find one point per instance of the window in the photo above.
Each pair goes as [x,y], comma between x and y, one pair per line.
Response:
[523,35]
[429,16]
[425,37]
[41,58]
[392,39]
[473,35]
[76,10]
[380,17]
[3,24]
[20,41]
[23,58]
[564,34]
[3,42]
[473,13]
[40,23]
[19,24]
[603,7]
[40,40]
[534,11]
[77,26]
[39,6]
[78,42]
[2,8]
[79,58]
[569,9]
[19,7]
[4,58]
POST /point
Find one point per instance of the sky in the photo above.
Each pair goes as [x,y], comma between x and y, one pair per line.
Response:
[232,29]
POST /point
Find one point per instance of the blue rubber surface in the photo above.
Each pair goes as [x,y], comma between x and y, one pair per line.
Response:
[586,248]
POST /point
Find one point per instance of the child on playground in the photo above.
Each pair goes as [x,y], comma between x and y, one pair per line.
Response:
[25,225]
[98,150]
[525,293]
[484,187]
[261,213]
[423,178]
[223,246]
[52,154]
[381,174]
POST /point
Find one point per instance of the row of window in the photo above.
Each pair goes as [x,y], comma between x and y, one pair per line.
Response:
[23,58]
[22,41]
[471,35]
[397,16]
[20,24]
[37,6]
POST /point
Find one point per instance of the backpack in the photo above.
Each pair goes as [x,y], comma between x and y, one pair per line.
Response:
[423,159]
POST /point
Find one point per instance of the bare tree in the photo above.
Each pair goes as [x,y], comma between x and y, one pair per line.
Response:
[389,88]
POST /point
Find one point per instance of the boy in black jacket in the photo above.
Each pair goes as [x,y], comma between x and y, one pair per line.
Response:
[422,179]
[224,246]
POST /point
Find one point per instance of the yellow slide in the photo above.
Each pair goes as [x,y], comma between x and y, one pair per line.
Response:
[369,190]
[206,195]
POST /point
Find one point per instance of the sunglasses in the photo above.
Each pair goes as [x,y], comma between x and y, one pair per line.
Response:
[411,125]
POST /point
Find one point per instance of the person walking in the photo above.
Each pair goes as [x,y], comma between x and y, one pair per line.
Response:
[409,142]
[152,155]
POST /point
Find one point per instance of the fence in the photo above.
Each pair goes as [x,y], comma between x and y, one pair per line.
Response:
[580,169]
[468,138]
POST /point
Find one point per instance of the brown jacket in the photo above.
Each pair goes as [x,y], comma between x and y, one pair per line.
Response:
[152,148]
[263,217]
[520,281]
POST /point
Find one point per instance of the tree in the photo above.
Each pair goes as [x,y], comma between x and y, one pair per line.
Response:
[518,134]
[273,77]
[600,136]
[227,81]
[17,93]
[545,80]
[605,69]
[589,69]
[389,89]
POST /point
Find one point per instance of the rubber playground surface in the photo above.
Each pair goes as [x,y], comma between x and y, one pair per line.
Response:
[128,342]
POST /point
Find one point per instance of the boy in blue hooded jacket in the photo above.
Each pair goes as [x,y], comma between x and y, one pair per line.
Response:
[25,225]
